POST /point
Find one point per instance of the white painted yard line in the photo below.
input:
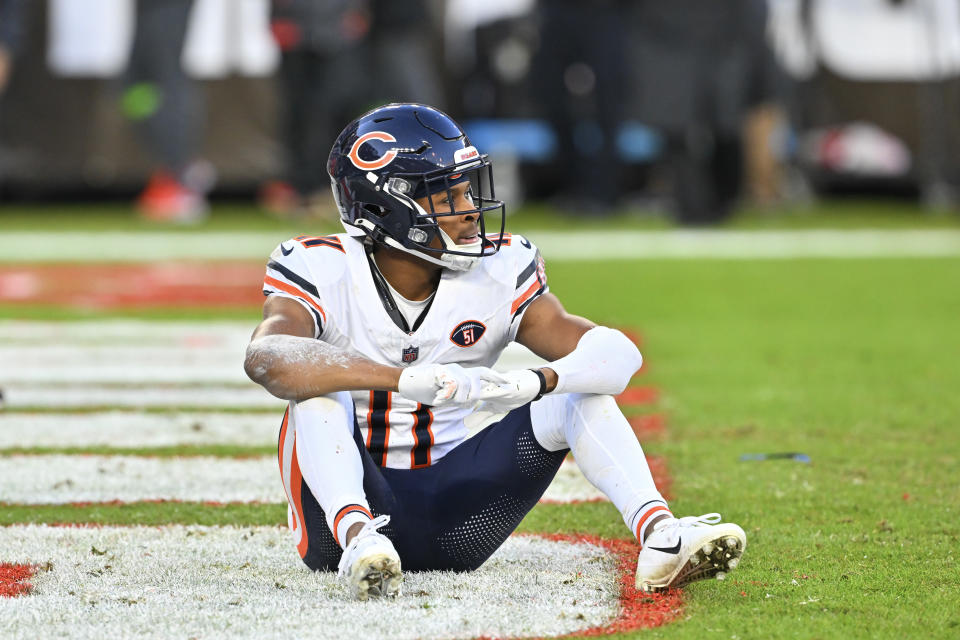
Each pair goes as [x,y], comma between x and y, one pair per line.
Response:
[28,246]
[128,365]
[57,479]
[213,582]
[131,429]
[106,332]
[21,396]
[147,353]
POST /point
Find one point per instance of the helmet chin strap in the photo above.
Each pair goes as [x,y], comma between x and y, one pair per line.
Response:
[448,260]
[458,262]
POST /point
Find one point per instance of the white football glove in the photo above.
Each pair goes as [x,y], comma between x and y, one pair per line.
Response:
[520,387]
[439,384]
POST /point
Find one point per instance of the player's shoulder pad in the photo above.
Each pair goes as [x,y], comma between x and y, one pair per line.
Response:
[516,253]
[513,246]
[318,259]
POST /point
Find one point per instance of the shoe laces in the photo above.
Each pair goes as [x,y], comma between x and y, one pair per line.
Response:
[369,529]
[707,519]
[670,528]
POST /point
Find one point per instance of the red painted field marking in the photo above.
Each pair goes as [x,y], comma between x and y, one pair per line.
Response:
[637,610]
[658,469]
[134,286]
[635,396]
[648,426]
[13,579]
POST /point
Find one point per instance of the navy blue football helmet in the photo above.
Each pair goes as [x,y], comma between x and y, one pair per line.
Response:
[389,157]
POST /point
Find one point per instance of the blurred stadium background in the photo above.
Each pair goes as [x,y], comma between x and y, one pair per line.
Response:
[692,110]
[764,191]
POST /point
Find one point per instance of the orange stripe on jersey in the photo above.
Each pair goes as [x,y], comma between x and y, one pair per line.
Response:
[386,434]
[292,290]
[309,242]
[504,239]
[421,446]
[350,508]
[432,438]
[370,421]
[529,293]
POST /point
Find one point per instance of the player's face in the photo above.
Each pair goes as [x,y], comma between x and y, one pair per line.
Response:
[464,229]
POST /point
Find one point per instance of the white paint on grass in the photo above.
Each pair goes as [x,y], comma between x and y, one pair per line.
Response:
[128,365]
[107,332]
[570,485]
[57,479]
[212,582]
[53,479]
[105,246]
[119,352]
[132,429]
[251,396]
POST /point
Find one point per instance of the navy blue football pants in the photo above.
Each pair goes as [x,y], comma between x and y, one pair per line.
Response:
[454,514]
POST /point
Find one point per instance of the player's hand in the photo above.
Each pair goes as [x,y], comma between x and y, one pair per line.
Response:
[439,384]
[520,387]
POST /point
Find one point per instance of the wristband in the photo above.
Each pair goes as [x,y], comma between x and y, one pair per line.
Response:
[543,384]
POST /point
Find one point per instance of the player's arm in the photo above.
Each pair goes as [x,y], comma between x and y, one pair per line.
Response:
[550,332]
[287,361]
[583,357]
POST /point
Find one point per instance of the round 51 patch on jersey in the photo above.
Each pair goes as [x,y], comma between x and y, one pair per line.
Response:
[468,333]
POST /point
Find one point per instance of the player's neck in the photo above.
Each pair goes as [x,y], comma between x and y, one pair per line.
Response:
[411,277]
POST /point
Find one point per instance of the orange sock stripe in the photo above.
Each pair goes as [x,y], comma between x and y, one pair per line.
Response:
[646,517]
[350,508]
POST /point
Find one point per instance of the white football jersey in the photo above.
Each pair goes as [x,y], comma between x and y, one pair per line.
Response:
[471,319]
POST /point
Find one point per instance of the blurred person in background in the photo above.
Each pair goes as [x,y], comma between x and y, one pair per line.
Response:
[11,37]
[701,67]
[579,77]
[166,106]
[323,80]
[405,53]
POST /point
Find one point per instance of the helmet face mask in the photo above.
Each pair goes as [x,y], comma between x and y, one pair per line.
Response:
[392,159]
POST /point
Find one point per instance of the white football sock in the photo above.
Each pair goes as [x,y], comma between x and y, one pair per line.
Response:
[606,450]
[329,460]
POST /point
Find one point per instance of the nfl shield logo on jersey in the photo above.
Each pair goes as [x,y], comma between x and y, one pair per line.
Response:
[410,354]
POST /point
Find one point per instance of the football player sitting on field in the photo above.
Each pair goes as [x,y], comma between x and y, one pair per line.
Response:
[382,340]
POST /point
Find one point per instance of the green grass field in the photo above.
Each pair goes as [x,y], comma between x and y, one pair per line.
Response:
[851,361]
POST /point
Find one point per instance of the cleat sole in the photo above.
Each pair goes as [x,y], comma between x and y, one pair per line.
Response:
[378,576]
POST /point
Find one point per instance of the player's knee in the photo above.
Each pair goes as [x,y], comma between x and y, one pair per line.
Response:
[592,404]
[334,409]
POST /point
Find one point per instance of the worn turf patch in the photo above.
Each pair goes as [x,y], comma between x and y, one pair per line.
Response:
[249,582]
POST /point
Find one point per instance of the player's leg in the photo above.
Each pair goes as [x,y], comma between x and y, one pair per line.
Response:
[327,486]
[673,551]
[460,510]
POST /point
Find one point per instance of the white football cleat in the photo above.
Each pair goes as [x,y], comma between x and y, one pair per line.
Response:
[370,564]
[681,551]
